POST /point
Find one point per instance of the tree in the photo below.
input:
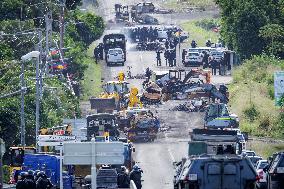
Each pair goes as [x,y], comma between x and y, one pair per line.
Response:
[242,20]
[274,35]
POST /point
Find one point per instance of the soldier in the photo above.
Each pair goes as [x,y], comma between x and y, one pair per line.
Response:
[101,51]
[166,55]
[21,184]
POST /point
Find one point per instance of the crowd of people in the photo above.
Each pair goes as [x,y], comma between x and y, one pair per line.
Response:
[33,180]
[123,178]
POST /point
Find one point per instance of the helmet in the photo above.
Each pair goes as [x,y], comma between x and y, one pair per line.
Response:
[36,172]
[30,172]
[40,174]
[136,167]
[23,174]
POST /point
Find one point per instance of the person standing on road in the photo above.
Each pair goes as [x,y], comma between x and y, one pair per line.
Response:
[43,182]
[183,54]
[29,181]
[167,44]
[158,57]
[101,51]
[96,54]
[205,60]
[214,65]
[193,44]
[21,184]
[123,180]
[136,175]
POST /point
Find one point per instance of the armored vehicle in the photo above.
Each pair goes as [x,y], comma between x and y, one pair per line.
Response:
[213,162]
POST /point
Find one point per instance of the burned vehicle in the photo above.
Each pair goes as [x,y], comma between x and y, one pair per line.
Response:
[139,124]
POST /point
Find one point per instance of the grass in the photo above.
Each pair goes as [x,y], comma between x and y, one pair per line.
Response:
[174,4]
[265,149]
[92,76]
[253,87]
[199,34]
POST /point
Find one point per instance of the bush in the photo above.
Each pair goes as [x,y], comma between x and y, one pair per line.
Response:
[251,113]
[207,24]
[6,173]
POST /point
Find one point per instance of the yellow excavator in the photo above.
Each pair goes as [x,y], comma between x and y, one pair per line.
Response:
[113,97]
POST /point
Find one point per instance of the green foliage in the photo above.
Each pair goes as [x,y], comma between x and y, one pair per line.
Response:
[6,174]
[253,81]
[251,113]
[199,34]
[243,20]
[207,24]
[88,27]
[274,36]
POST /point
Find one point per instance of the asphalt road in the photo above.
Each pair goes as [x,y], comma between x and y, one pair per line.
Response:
[155,158]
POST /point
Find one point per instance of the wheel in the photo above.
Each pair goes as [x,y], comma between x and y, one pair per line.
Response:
[122,64]
[108,64]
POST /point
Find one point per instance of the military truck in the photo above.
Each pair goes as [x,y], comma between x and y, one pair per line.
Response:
[275,172]
[213,163]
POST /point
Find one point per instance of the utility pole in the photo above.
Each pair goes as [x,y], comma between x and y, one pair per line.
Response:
[38,86]
[48,29]
[22,114]
[2,151]
[61,25]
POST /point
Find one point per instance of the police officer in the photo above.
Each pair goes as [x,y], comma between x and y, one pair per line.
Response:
[208,43]
[166,55]
[29,180]
[123,180]
[214,65]
[193,44]
[167,44]
[136,175]
[101,51]
[21,182]
[96,54]
[43,182]
[183,54]
[158,57]
[205,60]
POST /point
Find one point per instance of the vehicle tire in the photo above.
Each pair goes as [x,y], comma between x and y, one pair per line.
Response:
[108,64]
[122,63]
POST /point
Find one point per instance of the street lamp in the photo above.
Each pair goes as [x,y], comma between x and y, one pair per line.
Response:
[25,58]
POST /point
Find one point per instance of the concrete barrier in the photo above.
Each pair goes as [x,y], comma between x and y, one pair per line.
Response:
[132,185]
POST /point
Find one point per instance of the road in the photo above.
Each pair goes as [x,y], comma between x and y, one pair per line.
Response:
[155,158]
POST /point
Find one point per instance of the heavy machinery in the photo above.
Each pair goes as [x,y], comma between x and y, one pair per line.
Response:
[144,7]
[103,127]
[217,116]
[113,97]
[102,124]
[213,163]
[17,155]
[139,124]
[121,12]
[152,93]
[114,40]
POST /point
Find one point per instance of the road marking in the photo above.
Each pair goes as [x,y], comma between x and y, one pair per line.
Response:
[169,149]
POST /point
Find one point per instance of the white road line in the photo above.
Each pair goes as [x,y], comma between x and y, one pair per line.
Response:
[169,149]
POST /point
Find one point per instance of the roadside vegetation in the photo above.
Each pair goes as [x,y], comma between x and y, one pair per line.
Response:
[255,30]
[183,4]
[201,31]
[58,101]
[252,97]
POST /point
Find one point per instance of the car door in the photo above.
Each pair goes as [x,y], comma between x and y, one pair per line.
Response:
[212,175]
[231,176]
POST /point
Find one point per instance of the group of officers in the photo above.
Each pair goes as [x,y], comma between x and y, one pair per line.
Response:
[123,178]
[33,180]
[169,54]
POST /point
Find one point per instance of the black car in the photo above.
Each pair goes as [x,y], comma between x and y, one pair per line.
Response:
[275,172]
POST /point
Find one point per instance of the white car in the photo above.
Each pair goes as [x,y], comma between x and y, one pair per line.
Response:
[193,59]
[261,183]
[115,56]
